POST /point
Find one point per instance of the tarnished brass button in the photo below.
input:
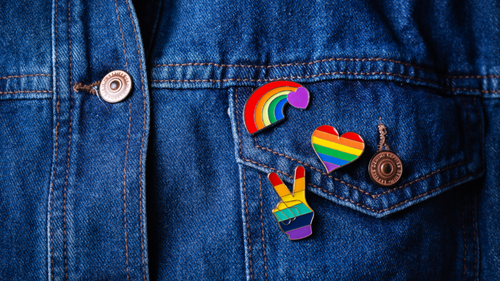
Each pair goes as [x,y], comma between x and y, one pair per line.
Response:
[385,168]
[115,86]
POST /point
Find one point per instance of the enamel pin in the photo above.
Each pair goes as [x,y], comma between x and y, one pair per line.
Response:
[336,151]
[266,105]
[292,213]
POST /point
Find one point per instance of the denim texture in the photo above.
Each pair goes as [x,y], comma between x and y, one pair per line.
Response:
[169,185]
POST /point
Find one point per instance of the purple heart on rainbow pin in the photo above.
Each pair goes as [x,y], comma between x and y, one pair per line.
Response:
[299,98]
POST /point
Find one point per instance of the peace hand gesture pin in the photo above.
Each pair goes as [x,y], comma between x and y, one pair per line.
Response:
[293,214]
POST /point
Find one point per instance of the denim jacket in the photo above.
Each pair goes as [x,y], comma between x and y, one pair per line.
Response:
[169,185]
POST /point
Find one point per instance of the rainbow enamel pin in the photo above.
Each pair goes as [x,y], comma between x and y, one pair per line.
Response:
[334,150]
[293,214]
[266,105]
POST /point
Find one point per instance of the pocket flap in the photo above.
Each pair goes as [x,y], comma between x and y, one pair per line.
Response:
[437,137]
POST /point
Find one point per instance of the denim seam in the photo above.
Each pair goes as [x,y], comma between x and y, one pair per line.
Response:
[402,203]
[374,196]
[65,252]
[291,64]
[472,90]
[121,32]
[25,75]
[326,60]
[52,189]
[300,77]
[126,153]
[328,74]
[262,227]
[142,142]
[18,92]
[361,205]
[349,200]
[429,71]
[52,262]
[244,191]
[472,76]
[125,190]
[249,241]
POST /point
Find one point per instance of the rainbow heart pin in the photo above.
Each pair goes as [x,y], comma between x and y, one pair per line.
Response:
[266,105]
[336,151]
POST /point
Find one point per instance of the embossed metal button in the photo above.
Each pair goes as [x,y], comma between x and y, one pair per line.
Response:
[115,86]
[385,168]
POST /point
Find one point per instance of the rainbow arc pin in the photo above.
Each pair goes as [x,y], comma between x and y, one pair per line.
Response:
[293,214]
[266,106]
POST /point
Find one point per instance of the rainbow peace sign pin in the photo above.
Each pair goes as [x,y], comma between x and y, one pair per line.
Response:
[266,105]
[293,214]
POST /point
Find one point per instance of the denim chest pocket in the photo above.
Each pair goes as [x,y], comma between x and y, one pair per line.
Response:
[438,138]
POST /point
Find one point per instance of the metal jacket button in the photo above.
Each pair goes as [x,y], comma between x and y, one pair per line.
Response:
[115,86]
[385,168]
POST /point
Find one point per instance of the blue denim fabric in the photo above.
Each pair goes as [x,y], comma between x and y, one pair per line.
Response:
[168,184]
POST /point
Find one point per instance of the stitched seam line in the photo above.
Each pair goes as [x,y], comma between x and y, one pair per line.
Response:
[356,203]
[327,74]
[69,143]
[335,195]
[292,64]
[247,224]
[472,76]
[25,75]
[300,77]
[262,227]
[125,190]
[474,90]
[52,195]
[244,188]
[142,142]
[52,262]
[17,92]
[87,88]
[126,154]
[327,60]
[374,196]
[404,202]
